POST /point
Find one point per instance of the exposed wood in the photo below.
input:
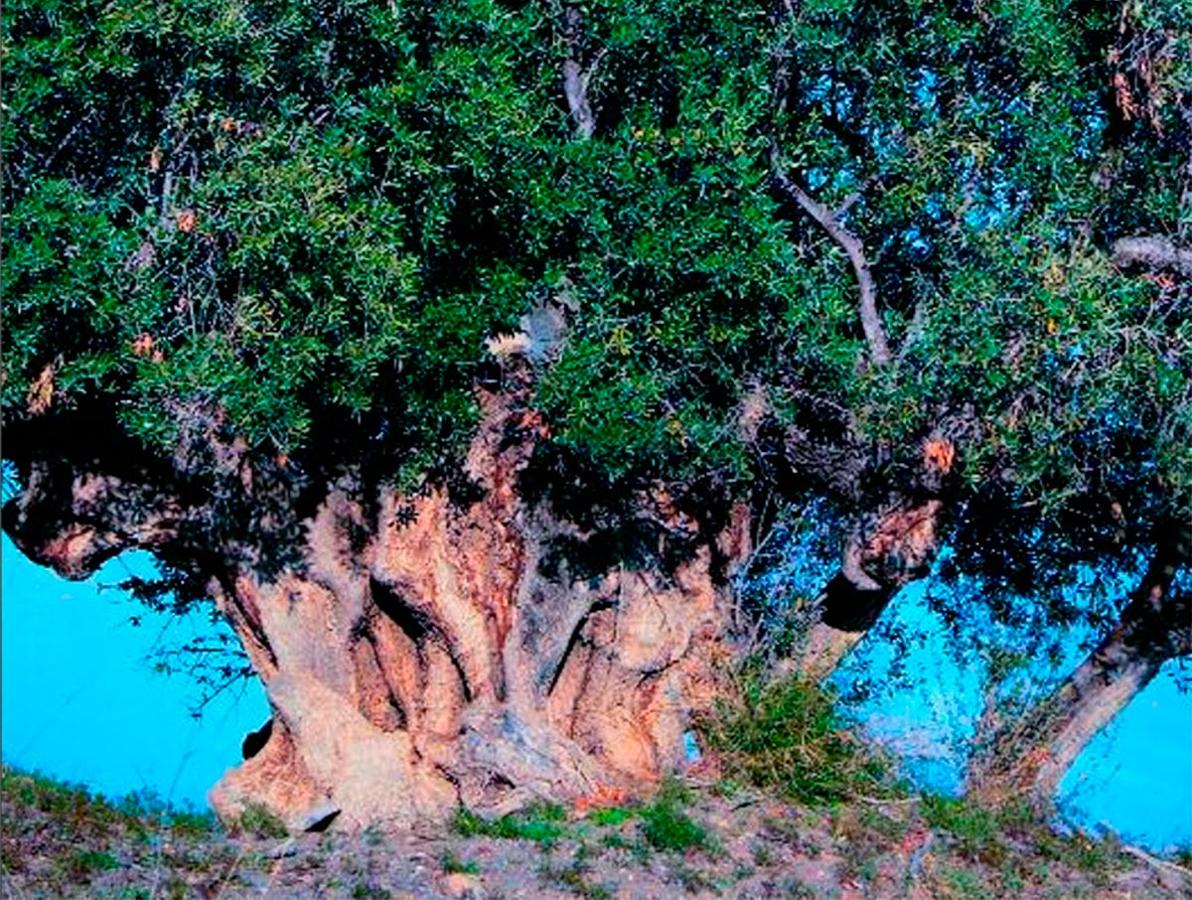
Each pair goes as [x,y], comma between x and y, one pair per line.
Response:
[884,554]
[576,77]
[416,651]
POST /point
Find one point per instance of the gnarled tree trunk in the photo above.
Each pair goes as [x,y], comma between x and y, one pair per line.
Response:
[886,549]
[892,549]
[1033,752]
[421,652]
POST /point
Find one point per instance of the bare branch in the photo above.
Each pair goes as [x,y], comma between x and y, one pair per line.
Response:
[576,77]
[1153,252]
[871,322]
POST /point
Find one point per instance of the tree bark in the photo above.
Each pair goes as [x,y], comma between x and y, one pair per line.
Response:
[575,76]
[854,249]
[886,553]
[887,548]
[1032,753]
[1153,252]
[422,652]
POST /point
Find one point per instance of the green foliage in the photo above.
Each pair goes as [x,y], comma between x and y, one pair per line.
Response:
[259,821]
[542,823]
[306,215]
[189,823]
[786,735]
[88,814]
[610,816]
[365,891]
[295,224]
[666,825]
[997,836]
[450,863]
[976,829]
[83,863]
[960,884]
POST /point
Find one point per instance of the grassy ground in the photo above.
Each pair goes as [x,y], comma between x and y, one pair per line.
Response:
[698,840]
[786,804]
[715,839]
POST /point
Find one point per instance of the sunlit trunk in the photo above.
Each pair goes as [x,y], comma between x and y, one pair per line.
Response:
[425,651]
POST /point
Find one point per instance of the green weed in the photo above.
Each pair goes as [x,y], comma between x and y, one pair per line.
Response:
[961,884]
[190,823]
[450,863]
[786,736]
[260,821]
[695,881]
[665,824]
[80,864]
[762,855]
[542,823]
[610,816]
[976,830]
[365,891]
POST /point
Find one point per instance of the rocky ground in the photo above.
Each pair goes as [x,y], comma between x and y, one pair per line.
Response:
[690,840]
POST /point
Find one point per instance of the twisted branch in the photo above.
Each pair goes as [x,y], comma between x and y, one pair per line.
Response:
[871,322]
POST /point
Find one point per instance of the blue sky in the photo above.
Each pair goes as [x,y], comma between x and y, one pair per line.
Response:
[80,701]
[79,698]
[1135,777]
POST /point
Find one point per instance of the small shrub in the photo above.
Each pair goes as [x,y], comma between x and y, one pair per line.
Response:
[191,823]
[610,816]
[542,823]
[11,859]
[450,863]
[616,841]
[373,836]
[260,821]
[960,884]
[574,877]
[976,830]
[861,844]
[695,881]
[1098,858]
[666,826]
[82,863]
[365,891]
[794,889]
[762,855]
[786,736]
[890,829]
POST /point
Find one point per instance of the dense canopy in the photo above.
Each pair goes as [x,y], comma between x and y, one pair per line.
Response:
[311,216]
[466,355]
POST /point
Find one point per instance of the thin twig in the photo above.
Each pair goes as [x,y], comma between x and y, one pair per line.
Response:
[856,195]
[576,78]
[69,136]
